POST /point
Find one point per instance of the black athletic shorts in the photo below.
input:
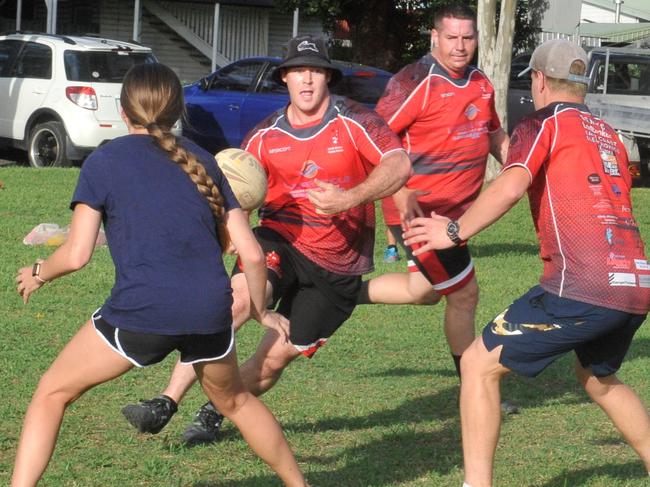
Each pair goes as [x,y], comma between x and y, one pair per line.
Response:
[315,301]
[143,349]
[447,270]
[540,327]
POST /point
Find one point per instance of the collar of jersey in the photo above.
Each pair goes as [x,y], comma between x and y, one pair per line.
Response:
[310,130]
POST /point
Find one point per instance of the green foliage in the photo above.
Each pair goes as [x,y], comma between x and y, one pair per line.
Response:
[376,407]
[393,33]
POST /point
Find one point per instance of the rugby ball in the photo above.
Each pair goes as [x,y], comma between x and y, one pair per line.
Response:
[246,176]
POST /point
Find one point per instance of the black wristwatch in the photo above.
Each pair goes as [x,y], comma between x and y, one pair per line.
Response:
[452,232]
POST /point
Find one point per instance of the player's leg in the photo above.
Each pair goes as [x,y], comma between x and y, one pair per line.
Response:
[624,408]
[225,389]
[152,415]
[84,362]
[398,288]
[391,252]
[459,319]
[480,411]
[598,361]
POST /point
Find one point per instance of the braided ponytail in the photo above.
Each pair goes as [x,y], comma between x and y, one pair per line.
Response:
[152,97]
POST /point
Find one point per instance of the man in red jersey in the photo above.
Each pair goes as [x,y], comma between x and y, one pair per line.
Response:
[327,159]
[595,288]
[443,109]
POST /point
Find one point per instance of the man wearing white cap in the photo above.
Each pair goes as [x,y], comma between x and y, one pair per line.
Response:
[594,292]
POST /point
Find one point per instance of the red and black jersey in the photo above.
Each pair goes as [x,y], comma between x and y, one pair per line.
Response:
[445,124]
[342,148]
[580,202]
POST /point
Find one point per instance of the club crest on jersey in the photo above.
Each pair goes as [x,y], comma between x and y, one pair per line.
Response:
[610,164]
[471,112]
[307,46]
[309,169]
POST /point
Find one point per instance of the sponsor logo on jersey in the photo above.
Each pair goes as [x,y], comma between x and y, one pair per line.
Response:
[307,46]
[609,236]
[617,263]
[279,149]
[616,190]
[644,280]
[622,279]
[309,169]
[603,204]
[447,95]
[642,264]
[626,209]
[610,165]
[471,111]
[593,178]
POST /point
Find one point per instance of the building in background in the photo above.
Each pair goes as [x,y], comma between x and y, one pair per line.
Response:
[179,32]
[598,22]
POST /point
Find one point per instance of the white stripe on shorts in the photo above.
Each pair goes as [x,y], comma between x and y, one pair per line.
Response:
[117,341]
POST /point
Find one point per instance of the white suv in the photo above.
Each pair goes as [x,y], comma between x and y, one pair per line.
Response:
[61,94]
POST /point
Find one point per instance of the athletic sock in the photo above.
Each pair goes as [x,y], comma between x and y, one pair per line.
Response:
[363,297]
[457,363]
[465,484]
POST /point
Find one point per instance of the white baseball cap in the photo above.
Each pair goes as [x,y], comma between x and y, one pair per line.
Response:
[555,57]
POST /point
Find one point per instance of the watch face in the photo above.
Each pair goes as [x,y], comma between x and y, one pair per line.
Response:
[452,227]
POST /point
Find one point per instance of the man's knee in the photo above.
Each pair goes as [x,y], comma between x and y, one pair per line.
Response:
[478,361]
[595,386]
[465,297]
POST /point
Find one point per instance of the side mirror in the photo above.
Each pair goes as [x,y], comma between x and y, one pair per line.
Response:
[204,84]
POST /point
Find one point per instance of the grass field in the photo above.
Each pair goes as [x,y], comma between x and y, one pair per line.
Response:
[375,407]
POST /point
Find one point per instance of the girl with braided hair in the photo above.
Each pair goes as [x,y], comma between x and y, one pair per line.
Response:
[168,214]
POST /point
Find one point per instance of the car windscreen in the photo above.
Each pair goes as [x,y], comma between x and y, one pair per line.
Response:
[102,66]
[362,86]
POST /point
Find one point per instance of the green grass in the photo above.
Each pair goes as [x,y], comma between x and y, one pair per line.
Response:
[375,407]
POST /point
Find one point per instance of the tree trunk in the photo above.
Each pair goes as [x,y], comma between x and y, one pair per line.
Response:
[495,55]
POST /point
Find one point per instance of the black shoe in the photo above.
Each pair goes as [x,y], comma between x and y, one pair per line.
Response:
[150,416]
[205,426]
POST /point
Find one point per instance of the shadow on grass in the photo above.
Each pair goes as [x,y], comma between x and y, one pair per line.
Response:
[393,459]
[489,250]
[585,476]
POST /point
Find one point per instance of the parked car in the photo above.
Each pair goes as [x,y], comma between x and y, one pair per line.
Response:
[618,92]
[224,106]
[61,94]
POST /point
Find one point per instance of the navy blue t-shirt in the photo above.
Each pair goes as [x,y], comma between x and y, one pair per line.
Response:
[169,275]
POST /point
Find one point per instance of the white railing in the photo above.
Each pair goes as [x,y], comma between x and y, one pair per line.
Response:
[243,31]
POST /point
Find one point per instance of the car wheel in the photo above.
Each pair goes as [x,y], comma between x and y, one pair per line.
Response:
[46,147]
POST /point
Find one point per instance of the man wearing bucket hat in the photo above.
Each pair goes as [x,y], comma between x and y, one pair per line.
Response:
[595,288]
[327,159]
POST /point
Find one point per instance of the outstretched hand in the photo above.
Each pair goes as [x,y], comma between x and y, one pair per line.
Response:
[275,321]
[328,198]
[431,233]
[26,283]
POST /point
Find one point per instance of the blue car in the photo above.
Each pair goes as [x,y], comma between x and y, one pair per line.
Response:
[224,106]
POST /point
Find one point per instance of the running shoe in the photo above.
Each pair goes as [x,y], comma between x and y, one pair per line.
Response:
[205,426]
[150,416]
[391,255]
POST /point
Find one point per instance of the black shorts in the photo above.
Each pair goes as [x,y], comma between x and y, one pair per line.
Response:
[540,327]
[447,270]
[315,301]
[143,349]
